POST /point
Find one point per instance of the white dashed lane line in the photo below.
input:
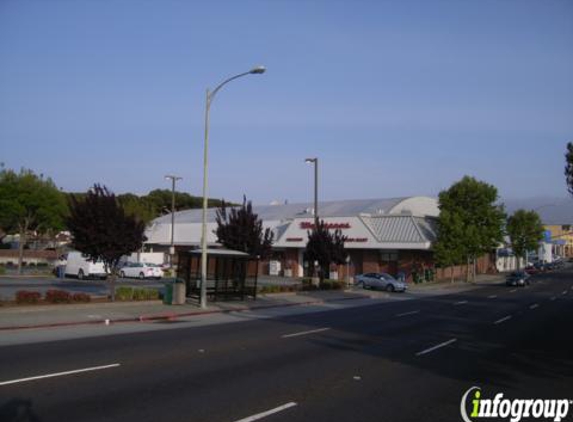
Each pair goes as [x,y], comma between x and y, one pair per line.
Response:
[534,306]
[513,291]
[304,333]
[60,374]
[502,320]
[461,302]
[267,413]
[439,346]
[492,297]
[407,314]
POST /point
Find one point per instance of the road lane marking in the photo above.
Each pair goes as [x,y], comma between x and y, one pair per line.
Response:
[267,413]
[304,333]
[499,321]
[553,298]
[564,292]
[513,291]
[534,306]
[60,374]
[492,297]
[461,302]
[439,346]
[407,314]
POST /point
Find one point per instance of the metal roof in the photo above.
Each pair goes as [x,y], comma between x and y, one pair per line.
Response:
[398,228]
[281,212]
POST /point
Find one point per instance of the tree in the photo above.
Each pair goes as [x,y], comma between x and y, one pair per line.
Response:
[325,247]
[472,206]
[525,231]
[569,167]
[102,230]
[29,203]
[448,246]
[239,228]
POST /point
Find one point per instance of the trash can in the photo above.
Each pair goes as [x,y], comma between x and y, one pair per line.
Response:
[178,292]
[168,294]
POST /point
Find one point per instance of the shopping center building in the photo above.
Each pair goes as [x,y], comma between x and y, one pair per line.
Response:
[389,235]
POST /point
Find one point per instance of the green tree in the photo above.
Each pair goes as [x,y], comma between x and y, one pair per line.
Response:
[102,230]
[29,202]
[239,228]
[525,231]
[472,205]
[448,248]
[325,247]
[139,207]
[569,167]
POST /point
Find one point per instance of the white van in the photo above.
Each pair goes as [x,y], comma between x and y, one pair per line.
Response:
[81,267]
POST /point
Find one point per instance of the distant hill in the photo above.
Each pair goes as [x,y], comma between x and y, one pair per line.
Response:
[553,210]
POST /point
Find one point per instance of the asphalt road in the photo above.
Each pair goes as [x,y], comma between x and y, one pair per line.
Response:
[398,361]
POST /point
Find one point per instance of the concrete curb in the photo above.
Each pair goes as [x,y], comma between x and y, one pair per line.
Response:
[173,315]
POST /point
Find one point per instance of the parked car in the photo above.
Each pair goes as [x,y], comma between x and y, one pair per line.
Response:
[517,278]
[532,269]
[141,270]
[380,281]
[80,266]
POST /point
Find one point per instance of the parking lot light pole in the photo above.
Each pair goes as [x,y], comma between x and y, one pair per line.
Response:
[173,179]
[315,162]
[209,99]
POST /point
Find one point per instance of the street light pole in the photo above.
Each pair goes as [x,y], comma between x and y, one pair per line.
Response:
[172,248]
[208,100]
[315,162]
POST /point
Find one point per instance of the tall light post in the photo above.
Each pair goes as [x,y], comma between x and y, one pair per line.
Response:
[173,179]
[315,162]
[209,99]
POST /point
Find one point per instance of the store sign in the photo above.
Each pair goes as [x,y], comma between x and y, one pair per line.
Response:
[356,240]
[306,225]
[294,239]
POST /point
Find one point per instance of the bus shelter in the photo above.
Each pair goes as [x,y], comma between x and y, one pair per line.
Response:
[231,275]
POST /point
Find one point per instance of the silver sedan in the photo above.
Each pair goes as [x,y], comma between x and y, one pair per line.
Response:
[382,281]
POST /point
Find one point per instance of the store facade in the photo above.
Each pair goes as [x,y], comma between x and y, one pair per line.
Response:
[383,235]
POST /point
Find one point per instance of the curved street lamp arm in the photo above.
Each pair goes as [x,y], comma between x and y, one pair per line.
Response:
[226,81]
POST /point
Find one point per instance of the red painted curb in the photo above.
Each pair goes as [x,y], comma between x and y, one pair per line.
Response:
[172,316]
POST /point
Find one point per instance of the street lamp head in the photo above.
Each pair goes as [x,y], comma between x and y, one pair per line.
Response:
[258,70]
[310,160]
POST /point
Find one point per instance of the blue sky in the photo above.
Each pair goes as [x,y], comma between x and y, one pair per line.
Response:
[396,98]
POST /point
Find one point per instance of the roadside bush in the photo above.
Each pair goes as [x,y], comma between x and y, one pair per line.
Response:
[81,297]
[2,270]
[25,296]
[278,289]
[58,296]
[145,294]
[124,293]
[152,294]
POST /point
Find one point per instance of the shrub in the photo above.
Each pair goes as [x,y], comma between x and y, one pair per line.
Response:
[58,296]
[139,294]
[31,264]
[81,297]
[124,293]
[2,270]
[145,294]
[152,294]
[25,296]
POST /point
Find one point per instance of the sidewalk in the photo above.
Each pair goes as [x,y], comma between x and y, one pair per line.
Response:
[45,316]
[481,280]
